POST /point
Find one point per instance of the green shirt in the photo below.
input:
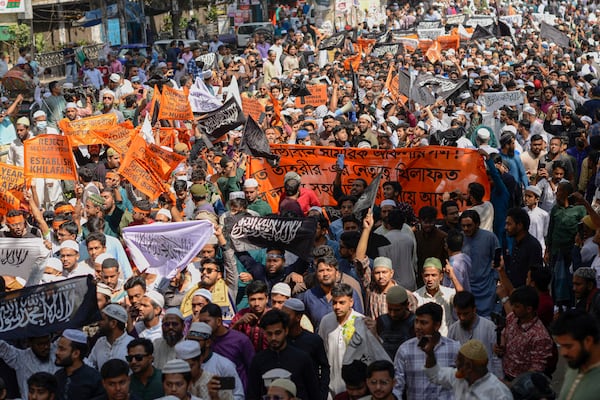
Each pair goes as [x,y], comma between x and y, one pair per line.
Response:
[230,184]
[152,390]
[563,227]
[261,207]
[587,389]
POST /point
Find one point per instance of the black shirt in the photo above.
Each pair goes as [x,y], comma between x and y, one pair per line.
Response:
[525,254]
[312,344]
[84,383]
[394,333]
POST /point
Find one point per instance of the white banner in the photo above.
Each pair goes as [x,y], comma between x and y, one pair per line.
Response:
[18,256]
[512,20]
[166,248]
[547,18]
[430,33]
[12,6]
[494,100]
[209,60]
[201,100]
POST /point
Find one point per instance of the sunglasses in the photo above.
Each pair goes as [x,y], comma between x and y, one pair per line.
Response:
[107,97]
[136,357]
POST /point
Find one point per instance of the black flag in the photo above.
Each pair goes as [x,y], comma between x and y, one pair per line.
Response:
[220,121]
[354,83]
[481,33]
[333,42]
[40,310]
[367,199]
[255,143]
[296,235]
[552,34]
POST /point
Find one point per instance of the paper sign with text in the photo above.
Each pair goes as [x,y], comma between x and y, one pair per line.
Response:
[78,130]
[318,96]
[49,156]
[174,105]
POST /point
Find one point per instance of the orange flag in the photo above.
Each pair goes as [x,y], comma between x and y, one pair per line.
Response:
[119,137]
[274,19]
[434,52]
[366,44]
[276,108]
[174,105]
[354,60]
[167,137]
[160,161]
[142,178]
[49,156]
[12,181]
[78,130]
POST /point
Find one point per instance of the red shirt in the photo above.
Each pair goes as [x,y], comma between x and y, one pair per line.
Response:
[253,331]
[545,309]
[306,199]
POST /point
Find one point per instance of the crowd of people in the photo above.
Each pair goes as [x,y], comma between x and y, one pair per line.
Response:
[476,299]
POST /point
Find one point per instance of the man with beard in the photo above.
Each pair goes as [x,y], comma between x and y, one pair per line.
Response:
[76,380]
[434,291]
[114,340]
[116,380]
[398,324]
[279,354]
[146,381]
[172,333]
[357,187]
[526,251]
[585,290]
[472,326]
[247,319]
[532,158]
[212,362]
[38,357]
[578,337]
[149,326]
[112,164]
[108,105]
[17,148]
[115,215]
[555,154]
[401,250]
[470,378]
[305,197]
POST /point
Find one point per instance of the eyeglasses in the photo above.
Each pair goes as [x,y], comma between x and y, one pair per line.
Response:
[208,270]
[136,357]
[107,97]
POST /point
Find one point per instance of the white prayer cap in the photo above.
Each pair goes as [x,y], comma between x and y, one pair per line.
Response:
[101,258]
[237,195]
[69,244]
[39,113]
[207,74]
[165,212]
[107,92]
[115,311]
[529,110]
[187,349]
[70,105]
[115,78]
[282,288]
[174,311]
[176,366]
[156,297]
[75,335]
[54,263]
[388,202]
[483,134]
[103,289]
[250,183]
[204,293]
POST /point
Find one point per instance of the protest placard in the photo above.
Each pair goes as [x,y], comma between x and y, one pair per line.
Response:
[142,177]
[118,137]
[41,310]
[293,234]
[166,248]
[209,60]
[252,106]
[425,172]
[78,130]
[494,100]
[379,50]
[174,105]
[18,256]
[12,181]
[317,97]
[49,156]
[160,161]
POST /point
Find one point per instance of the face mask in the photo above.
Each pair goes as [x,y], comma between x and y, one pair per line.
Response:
[307,143]
[41,125]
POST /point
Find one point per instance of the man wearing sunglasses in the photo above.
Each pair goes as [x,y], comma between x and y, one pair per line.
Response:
[108,98]
[146,381]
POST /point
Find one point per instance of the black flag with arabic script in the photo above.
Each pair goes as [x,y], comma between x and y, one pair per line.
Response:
[333,42]
[367,199]
[255,143]
[552,34]
[220,121]
[296,235]
[40,310]
[481,32]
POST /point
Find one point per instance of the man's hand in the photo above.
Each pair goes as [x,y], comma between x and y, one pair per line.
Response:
[368,221]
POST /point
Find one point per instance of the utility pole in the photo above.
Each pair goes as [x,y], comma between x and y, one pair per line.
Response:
[122,21]
[175,17]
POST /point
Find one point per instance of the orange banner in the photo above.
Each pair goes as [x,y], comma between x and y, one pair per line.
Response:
[449,41]
[12,181]
[118,137]
[434,52]
[392,84]
[354,60]
[142,178]
[318,96]
[174,105]
[167,137]
[252,107]
[366,44]
[425,173]
[49,156]
[160,161]
[78,130]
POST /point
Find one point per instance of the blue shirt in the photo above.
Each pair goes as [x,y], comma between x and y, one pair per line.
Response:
[481,247]
[7,131]
[317,305]
[516,168]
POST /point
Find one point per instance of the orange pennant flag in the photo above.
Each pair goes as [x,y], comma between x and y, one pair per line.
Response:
[174,105]
[78,130]
[140,176]
[434,53]
[119,137]
[276,108]
[366,44]
[160,161]
[354,60]
[274,19]
[12,181]
[49,156]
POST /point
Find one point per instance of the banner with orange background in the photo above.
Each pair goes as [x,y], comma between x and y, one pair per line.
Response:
[318,96]
[12,181]
[142,178]
[118,137]
[78,130]
[174,105]
[49,156]
[425,173]
[252,106]
[160,161]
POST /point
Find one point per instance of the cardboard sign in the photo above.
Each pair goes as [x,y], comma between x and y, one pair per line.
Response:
[318,96]
[12,180]
[49,156]
[118,137]
[174,105]
[141,177]
[252,107]
[78,130]
[425,173]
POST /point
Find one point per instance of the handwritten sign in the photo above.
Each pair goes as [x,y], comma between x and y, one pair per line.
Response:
[141,177]
[318,96]
[78,130]
[252,107]
[425,173]
[19,255]
[118,137]
[174,105]
[40,310]
[494,100]
[49,156]
[166,248]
